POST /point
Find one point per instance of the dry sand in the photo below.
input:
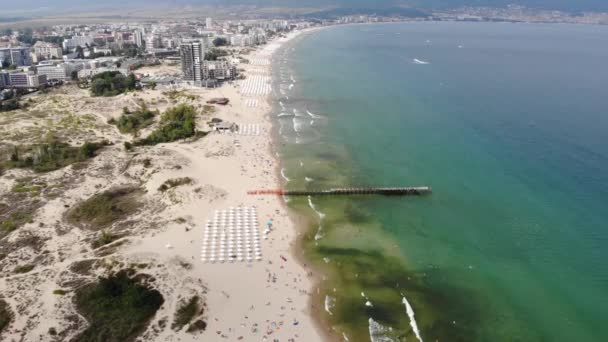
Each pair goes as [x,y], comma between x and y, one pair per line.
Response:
[261,300]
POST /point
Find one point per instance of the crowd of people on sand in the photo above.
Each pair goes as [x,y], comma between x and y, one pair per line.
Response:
[271,327]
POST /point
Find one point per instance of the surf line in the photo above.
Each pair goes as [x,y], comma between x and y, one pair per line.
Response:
[410,314]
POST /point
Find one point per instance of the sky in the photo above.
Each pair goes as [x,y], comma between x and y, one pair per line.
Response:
[42,6]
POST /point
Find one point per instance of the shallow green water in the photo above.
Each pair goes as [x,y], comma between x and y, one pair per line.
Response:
[508,124]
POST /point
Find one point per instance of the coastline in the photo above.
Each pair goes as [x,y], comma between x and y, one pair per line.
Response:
[266,299]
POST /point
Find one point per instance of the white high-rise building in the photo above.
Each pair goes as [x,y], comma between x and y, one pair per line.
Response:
[138,38]
[192,55]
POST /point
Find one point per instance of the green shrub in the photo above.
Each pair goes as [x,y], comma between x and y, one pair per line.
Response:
[132,122]
[24,268]
[103,209]
[186,312]
[176,123]
[6,316]
[175,182]
[52,156]
[118,308]
[59,292]
[112,83]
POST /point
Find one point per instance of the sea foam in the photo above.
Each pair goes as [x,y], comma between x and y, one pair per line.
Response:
[410,313]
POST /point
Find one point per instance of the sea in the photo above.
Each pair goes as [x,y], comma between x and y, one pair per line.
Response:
[508,123]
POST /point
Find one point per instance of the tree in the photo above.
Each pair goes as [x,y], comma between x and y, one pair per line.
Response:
[220,41]
[5,64]
[12,67]
[79,52]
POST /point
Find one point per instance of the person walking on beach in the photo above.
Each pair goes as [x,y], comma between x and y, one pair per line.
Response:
[269,224]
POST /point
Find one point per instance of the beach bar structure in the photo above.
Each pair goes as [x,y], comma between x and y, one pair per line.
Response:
[402,191]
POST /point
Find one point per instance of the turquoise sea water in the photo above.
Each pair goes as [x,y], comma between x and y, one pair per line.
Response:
[509,125]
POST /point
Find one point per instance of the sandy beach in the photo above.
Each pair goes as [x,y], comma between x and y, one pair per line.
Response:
[258,300]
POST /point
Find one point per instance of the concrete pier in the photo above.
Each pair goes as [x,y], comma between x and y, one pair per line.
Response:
[401,191]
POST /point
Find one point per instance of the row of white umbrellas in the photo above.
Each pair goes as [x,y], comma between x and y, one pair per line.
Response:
[232,236]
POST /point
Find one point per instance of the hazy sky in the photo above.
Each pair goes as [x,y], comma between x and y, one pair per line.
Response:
[49,5]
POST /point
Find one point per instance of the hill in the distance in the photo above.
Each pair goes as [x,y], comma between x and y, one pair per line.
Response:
[43,7]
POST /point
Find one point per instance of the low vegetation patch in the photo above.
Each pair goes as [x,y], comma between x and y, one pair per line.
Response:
[132,122]
[15,220]
[186,312]
[103,209]
[176,123]
[51,156]
[105,238]
[117,307]
[175,182]
[112,83]
[6,316]
[24,268]
[60,292]
[175,95]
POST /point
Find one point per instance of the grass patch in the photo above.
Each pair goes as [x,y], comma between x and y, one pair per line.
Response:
[175,95]
[24,268]
[176,123]
[15,220]
[105,238]
[6,316]
[51,156]
[24,188]
[175,182]
[105,208]
[118,308]
[60,292]
[132,122]
[187,311]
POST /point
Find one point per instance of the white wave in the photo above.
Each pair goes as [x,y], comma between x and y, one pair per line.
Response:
[284,176]
[308,179]
[410,313]
[297,126]
[419,61]
[363,294]
[297,113]
[282,105]
[329,304]
[345,337]
[369,304]
[313,115]
[327,260]
[312,206]
[301,163]
[282,115]
[293,79]
[319,235]
[286,199]
[377,332]
[291,86]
